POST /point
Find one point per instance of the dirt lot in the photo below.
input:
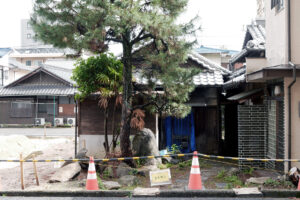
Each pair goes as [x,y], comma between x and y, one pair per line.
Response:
[52,148]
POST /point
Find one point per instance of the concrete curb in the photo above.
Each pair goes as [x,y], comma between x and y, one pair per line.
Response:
[281,193]
[195,193]
[163,193]
[100,193]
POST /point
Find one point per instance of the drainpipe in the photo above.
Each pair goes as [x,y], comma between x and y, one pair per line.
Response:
[290,85]
[76,124]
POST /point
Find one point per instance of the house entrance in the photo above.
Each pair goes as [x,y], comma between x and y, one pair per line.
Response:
[207,131]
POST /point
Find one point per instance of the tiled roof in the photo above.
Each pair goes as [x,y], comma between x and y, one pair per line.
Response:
[60,89]
[206,63]
[255,40]
[39,90]
[61,72]
[214,78]
[203,50]
[235,79]
[206,78]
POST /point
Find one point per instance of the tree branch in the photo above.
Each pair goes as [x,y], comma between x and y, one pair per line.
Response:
[140,38]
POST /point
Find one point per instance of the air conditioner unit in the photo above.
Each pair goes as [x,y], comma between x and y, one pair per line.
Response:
[59,121]
[39,121]
[71,121]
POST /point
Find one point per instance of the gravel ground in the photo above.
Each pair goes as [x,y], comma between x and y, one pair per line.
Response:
[61,148]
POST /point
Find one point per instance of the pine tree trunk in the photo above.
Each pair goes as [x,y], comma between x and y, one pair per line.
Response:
[113,128]
[126,101]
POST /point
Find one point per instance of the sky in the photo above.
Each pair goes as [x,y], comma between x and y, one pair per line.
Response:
[222,21]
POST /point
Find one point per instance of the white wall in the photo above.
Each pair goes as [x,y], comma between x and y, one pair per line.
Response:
[276,35]
[94,144]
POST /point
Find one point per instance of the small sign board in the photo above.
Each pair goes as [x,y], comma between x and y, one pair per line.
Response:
[160,177]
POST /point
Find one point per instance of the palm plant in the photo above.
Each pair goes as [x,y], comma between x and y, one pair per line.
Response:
[103,75]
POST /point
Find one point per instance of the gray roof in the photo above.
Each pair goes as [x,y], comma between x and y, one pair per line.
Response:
[38,90]
[206,78]
[208,64]
[255,40]
[244,95]
[236,78]
[4,51]
[16,64]
[64,88]
[63,73]
[43,50]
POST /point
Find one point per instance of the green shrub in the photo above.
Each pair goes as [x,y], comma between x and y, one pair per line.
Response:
[221,174]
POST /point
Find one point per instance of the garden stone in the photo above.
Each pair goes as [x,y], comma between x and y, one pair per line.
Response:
[66,173]
[166,160]
[128,180]
[144,144]
[174,161]
[111,185]
[259,180]
[123,169]
[233,171]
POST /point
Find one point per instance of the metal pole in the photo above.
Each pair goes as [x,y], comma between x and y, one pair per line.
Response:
[76,133]
[53,110]
[36,107]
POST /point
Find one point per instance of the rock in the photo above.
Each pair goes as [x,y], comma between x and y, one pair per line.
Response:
[111,185]
[145,191]
[233,171]
[128,180]
[166,160]
[144,144]
[259,180]
[109,171]
[123,169]
[282,178]
[66,173]
[221,185]
[171,160]
[174,161]
[150,168]
[141,173]
[80,155]
[294,175]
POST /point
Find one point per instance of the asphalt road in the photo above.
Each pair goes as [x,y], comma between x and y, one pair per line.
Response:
[115,198]
[38,131]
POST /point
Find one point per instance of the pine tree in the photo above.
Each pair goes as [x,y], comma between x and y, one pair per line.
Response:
[94,24]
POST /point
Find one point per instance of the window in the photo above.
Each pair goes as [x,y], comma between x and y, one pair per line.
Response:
[28,36]
[28,62]
[21,109]
[1,80]
[28,25]
[42,108]
[278,4]
[6,74]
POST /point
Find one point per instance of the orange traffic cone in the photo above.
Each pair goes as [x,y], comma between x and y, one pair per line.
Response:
[91,181]
[195,182]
